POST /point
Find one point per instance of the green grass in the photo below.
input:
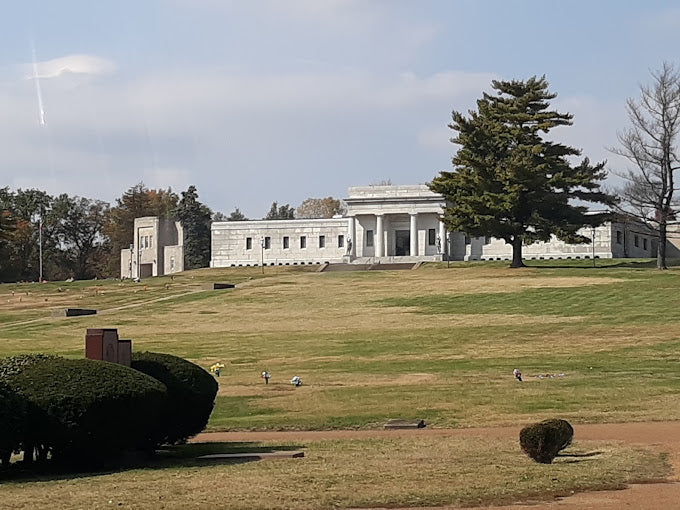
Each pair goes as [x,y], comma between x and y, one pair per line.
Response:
[419,472]
[437,343]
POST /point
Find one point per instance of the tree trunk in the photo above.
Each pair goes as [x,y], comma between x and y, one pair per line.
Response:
[517,252]
[661,250]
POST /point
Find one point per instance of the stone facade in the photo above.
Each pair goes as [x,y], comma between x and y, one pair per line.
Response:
[157,249]
[383,224]
[386,224]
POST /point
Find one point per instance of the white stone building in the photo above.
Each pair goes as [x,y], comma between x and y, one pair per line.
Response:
[391,224]
[157,249]
[383,224]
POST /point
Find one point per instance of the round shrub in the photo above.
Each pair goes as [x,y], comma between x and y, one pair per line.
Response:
[12,417]
[84,410]
[191,393]
[542,441]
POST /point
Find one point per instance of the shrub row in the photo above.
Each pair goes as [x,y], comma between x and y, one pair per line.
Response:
[83,411]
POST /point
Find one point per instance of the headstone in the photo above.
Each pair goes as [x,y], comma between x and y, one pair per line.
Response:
[404,424]
[125,352]
[73,312]
[103,344]
[218,286]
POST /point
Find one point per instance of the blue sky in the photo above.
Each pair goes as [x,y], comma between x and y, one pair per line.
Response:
[255,101]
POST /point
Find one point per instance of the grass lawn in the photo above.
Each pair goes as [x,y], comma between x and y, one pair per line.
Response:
[594,344]
[344,474]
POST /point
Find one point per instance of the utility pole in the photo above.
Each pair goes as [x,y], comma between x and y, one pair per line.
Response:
[40,279]
[262,252]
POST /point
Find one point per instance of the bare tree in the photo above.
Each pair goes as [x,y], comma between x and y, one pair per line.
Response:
[650,145]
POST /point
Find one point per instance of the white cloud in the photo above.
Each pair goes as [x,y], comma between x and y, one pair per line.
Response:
[76,64]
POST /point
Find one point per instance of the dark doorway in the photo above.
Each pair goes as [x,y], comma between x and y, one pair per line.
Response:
[146,270]
[403,243]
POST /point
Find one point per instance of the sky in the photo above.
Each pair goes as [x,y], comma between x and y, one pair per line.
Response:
[256,101]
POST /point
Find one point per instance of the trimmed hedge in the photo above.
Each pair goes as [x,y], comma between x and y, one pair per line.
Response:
[83,410]
[544,440]
[191,394]
[12,417]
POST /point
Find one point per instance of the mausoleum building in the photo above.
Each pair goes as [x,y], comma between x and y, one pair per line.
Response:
[157,249]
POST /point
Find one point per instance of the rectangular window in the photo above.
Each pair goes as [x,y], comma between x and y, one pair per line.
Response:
[150,241]
[172,264]
[267,242]
[619,237]
[322,241]
[303,241]
[341,241]
[636,241]
[249,243]
[286,242]
[369,238]
[644,243]
[431,237]
[146,241]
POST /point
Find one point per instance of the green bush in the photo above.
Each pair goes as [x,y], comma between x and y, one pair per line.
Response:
[12,417]
[542,441]
[83,410]
[191,393]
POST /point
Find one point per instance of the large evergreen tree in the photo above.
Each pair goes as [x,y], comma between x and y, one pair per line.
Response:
[511,183]
[195,218]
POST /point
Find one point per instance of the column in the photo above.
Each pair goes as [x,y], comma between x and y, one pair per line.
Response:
[413,250]
[442,237]
[352,234]
[379,235]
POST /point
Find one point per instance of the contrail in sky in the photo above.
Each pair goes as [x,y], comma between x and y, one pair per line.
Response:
[37,86]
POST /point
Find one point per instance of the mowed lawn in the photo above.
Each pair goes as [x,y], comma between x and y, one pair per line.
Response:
[439,344]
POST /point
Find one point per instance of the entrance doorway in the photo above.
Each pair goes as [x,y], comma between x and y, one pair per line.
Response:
[402,243]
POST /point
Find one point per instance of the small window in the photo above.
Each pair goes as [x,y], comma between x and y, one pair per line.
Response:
[172,263]
[369,238]
[286,242]
[644,243]
[146,241]
[431,237]
[303,241]
[619,237]
[150,241]
[267,242]
[249,243]
[322,241]
[636,241]
[341,241]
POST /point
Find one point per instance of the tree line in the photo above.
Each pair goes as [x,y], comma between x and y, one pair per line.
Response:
[61,237]
[508,181]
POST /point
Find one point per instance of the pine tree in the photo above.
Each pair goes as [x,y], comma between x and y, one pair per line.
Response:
[508,181]
[195,219]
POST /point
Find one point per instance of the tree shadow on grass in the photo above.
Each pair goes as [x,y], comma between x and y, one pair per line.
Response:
[602,264]
[168,457]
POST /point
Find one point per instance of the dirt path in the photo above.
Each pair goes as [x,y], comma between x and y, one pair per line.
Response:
[662,435]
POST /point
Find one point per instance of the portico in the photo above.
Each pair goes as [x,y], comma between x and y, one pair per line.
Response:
[395,223]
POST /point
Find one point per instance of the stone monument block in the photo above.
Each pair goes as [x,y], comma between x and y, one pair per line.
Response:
[125,352]
[102,344]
